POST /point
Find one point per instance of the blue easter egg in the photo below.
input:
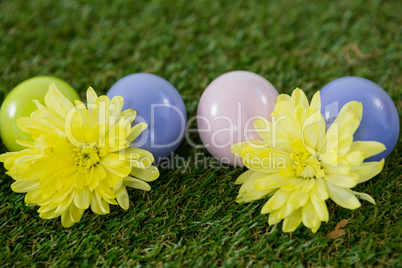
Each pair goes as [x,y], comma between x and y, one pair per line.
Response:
[159,105]
[380,120]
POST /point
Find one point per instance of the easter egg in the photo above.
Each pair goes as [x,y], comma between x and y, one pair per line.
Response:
[159,105]
[19,103]
[228,108]
[380,121]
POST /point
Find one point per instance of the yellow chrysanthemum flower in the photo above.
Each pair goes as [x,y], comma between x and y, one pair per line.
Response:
[300,164]
[80,157]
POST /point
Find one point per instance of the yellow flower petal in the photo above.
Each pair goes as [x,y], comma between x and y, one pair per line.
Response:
[136,131]
[86,117]
[291,222]
[276,201]
[106,193]
[272,181]
[310,217]
[284,128]
[240,148]
[364,196]
[320,209]
[368,170]
[313,130]
[116,106]
[66,219]
[316,102]
[294,185]
[298,199]
[76,213]
[150,173]
[320,190]
[367,148]
[264,129]
[129,115]
[56,102]
[114,164]
[33,197]
[122,197]
[342,196]
[285,211]
[98,205]
[266,160]
[48,207]
[29,144]
[136,183]
[348,181]
[341,167]
[339,136]
[244,176]
[49,215]
[308,185]
[273,218]
[91,96]
[354,158]
[248,192]
[64,205]
[299,98]
[283,97]
[82,198]
[63,193]
[25,186]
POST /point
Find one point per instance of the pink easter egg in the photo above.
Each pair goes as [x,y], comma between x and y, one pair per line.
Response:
[228,108]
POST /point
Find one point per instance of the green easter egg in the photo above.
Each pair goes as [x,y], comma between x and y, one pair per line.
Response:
[19,103]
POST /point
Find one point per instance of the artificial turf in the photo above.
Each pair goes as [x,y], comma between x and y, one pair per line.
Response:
[190,217]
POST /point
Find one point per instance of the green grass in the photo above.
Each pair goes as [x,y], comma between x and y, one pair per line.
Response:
[190,217]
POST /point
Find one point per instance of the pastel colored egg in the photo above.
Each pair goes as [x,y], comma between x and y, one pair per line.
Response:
[159,105]
[380,120]
[19,103]
[228,108]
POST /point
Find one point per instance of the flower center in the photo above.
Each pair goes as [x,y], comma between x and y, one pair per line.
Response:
[307,166]
[86,157]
